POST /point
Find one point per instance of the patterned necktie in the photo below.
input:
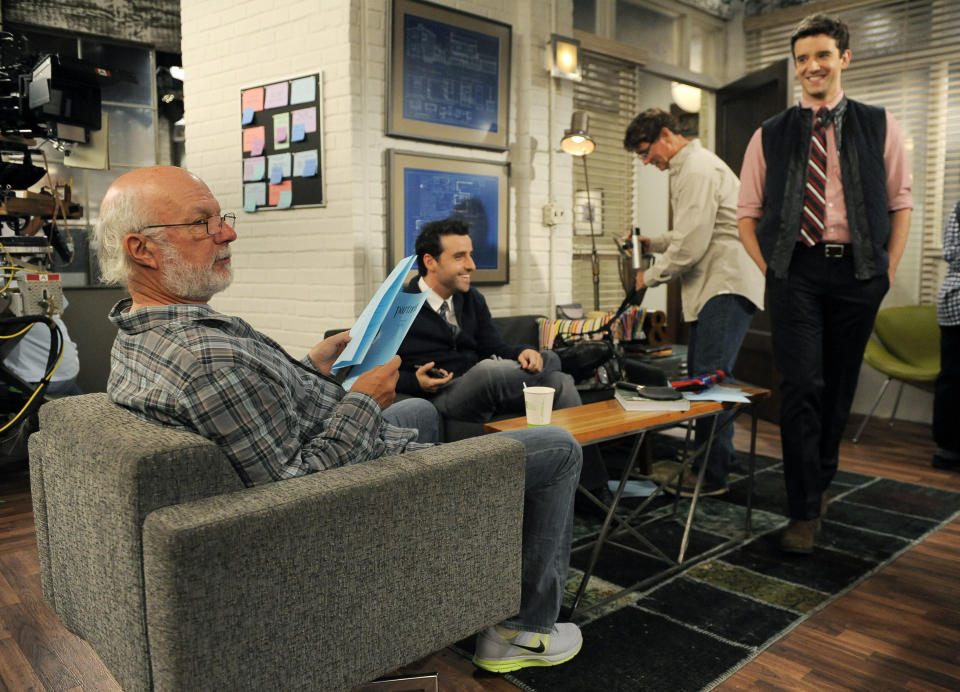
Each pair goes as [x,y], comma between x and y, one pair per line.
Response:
[814,198]
[449,318]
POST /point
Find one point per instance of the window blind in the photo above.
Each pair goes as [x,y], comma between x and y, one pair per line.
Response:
[906,57]
[609,93]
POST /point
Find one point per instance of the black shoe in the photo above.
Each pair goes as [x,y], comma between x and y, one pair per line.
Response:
[583,506]
[941,462]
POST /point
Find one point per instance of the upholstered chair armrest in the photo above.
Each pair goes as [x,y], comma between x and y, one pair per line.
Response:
[331,579]
[96,471]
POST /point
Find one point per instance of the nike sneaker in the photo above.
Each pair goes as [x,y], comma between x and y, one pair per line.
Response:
[501,653]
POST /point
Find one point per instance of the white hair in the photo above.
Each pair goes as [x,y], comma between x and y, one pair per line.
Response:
[122,211]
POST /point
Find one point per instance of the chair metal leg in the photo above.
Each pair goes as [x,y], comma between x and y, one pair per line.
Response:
[896,405]
[856,438]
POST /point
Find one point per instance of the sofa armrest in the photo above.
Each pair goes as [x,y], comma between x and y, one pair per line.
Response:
[331,579]
[96,471]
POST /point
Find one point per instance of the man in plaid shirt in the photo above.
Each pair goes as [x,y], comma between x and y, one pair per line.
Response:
[180,363]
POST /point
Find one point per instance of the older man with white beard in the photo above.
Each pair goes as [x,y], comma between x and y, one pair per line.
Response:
[178,362]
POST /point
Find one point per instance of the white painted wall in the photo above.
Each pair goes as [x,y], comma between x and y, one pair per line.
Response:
[301,271]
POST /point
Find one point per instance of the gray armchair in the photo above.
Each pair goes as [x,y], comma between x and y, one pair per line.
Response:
[180,578]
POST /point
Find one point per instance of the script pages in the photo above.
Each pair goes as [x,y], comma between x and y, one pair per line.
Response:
[384,322]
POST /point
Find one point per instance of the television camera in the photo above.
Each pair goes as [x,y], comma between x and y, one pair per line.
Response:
[55,99]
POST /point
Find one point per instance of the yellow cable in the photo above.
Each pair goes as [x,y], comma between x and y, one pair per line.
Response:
[22,331]
[45,381]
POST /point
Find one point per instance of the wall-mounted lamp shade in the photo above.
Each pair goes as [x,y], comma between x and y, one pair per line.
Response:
[577,139]
[563,55]
[686,96]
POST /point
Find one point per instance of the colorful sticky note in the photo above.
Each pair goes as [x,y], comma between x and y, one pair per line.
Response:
[298,135]
[281,126]
[307,117]
[302,90]
[281,161]
[247,116]
[258,145]
[254,195]
[276,175]
[251,135]
[286,199]
[253,168]
[305,163]
[277,95]
[252,98]
[276,190]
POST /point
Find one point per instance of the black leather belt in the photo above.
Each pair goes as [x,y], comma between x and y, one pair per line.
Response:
[832,250]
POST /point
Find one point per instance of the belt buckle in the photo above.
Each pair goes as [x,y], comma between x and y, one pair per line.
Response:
[833,250]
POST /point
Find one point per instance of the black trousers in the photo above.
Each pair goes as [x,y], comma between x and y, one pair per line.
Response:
[821,316]
[946,399]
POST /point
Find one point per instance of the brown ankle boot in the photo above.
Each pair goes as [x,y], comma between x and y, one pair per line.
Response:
[799,535]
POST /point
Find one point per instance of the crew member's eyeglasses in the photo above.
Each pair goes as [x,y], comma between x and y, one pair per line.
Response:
[646,152]
[212,225]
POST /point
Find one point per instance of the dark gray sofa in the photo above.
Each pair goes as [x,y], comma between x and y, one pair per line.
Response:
[180,578]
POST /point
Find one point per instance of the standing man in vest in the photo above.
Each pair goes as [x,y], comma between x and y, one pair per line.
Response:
[824,211]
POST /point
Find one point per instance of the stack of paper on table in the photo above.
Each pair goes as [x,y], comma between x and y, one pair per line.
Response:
[634,402]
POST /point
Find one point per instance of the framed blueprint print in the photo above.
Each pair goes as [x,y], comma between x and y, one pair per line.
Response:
[449,76]
[425,188]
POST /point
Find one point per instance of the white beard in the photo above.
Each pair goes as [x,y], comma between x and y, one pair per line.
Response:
[193,283]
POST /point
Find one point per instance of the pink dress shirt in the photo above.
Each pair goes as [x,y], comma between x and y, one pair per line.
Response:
[754,173]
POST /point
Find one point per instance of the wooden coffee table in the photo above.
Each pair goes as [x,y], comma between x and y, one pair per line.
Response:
[607,420]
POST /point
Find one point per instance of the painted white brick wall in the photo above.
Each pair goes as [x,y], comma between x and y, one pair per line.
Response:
[302,271]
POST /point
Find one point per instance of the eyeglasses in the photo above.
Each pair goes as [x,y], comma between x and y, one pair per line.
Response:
[208,227]
[646,152]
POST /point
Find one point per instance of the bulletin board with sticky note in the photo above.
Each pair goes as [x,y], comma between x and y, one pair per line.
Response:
[282,144]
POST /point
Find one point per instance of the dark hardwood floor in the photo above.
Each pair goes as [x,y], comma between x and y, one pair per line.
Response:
[898,630]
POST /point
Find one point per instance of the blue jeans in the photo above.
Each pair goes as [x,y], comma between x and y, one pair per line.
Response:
[551,473]
[418,414]
[552,470]
[495,386]
[715,340]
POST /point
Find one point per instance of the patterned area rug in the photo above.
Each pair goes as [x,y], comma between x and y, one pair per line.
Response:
[694,628]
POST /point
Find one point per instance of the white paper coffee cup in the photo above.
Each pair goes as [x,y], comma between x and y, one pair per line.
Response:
[539,402]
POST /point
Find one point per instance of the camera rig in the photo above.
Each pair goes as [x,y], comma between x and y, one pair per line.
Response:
[55,99]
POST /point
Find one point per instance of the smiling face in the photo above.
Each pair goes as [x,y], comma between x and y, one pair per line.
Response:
[818,64]
[452,269]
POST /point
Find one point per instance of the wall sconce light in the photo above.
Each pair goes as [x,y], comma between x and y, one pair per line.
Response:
[563,58]
[686,96]
[577,140]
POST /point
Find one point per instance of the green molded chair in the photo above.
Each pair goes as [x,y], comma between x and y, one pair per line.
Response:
[905,347]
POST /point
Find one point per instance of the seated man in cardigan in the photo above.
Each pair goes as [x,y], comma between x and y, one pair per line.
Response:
[178,362]
[475,375]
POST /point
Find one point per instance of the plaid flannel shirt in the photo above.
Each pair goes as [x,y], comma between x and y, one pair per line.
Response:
[189,366]
[948,300]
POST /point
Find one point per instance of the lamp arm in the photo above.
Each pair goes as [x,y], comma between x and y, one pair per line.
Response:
[594,256]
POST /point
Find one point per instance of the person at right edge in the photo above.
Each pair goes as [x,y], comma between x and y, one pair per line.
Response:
[824,211]
[946,397]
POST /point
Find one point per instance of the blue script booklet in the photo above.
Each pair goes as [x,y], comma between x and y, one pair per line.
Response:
[377,334]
